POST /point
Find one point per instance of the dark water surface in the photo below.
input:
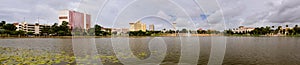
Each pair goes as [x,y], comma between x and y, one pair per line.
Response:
[239,50]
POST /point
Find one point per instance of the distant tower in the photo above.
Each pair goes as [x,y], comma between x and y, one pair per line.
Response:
[151,27]
[174,25]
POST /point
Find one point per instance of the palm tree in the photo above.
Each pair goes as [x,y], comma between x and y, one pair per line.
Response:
[286,29]
[297,29]
[2,23]
[279,29]
[272,30]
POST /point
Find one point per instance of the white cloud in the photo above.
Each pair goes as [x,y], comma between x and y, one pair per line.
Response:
[236,12]
[30,10]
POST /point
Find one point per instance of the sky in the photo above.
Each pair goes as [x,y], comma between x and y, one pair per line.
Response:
[191,14]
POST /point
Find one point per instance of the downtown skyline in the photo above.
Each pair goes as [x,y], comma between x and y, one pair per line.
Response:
[254,13]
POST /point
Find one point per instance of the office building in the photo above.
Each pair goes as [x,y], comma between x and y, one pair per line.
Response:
[151,27]
[119,31]
[76,20]
[242,29]
[35,28]
[137,26]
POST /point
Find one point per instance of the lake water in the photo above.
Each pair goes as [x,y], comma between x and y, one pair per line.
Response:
[239,50]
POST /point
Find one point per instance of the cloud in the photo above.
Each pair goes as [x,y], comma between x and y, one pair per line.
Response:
[185,12]
[288,11]
[30,10]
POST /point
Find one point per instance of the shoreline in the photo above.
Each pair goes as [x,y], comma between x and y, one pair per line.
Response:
[165,35]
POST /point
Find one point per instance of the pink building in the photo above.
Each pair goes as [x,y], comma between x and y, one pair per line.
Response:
[76,19]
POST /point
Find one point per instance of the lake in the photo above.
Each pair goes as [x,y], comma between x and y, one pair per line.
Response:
[239,50]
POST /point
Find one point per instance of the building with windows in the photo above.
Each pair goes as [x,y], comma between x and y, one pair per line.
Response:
[137,26]
[151,27]
[76,20]
[35,28]
[119,31]
[174,25]
[242,29]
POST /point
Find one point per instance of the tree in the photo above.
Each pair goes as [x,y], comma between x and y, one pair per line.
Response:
[2,23]
[296,29]
[261,31]
[139,33]
[98,31]
[54,29]
[291,32]
[13,33]
[184,31]
[64,23]
[2,31]
[227,31]
[278,30]
[21,33]
[45,30]
[91,31]
[267,30]
[10,27]
[61,33]
[62,30]
[30,33]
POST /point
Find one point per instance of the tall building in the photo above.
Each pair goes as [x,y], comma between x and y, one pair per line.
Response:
[137,26]
[35,28]
[75,19]
[174,25]
[151,27]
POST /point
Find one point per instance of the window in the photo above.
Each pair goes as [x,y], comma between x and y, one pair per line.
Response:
[64,17]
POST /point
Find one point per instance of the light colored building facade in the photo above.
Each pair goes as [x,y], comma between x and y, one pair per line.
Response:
[242,29]
[106,29]
[174,25]
[35,28]
[75,19]
[119,31]
[137,26]
[151,27]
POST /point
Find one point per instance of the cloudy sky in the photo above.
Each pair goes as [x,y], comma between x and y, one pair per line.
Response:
[193,14]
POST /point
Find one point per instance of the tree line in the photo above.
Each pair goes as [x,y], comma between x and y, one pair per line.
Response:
[269,31]
[7,29]
[64,30]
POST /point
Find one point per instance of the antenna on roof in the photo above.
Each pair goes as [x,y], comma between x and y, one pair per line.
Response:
[38,21]
[24,19]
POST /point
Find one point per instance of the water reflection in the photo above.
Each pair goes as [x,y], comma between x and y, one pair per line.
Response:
[239,50]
